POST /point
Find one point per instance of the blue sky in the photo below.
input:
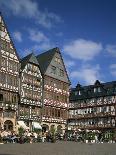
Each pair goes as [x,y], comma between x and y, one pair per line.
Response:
[84,30]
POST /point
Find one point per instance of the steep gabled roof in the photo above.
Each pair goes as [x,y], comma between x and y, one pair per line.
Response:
[45,59]
[107,89]
[31,58]
[9,35]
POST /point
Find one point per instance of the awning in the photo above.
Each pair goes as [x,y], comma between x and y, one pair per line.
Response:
[36,125]
[23,125]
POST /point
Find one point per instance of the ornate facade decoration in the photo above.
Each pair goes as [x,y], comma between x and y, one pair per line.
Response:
[9,79]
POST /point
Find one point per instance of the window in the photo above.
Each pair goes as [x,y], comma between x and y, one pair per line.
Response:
[15,81]
[58,113]
[14,98]
[10,81]
[1,97]
[2,28]
[99,90]
[61,73]
[57,60]
[53,69]
[79,92]
[11,65]
[11,50]
[57,98]
[5,45]
[29,67]
[15,66]
[95,90]
[3,78]
[3,62]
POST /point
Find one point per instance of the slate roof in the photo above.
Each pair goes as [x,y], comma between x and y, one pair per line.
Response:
[87,92]
[29,58]
[45,59]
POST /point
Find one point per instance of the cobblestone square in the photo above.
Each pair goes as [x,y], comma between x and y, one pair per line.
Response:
[58,148]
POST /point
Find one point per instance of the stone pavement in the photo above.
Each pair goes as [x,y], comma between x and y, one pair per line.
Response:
[58,148]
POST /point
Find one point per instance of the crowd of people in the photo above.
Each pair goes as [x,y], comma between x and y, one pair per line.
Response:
[28,137]
[13,137]
[34,137]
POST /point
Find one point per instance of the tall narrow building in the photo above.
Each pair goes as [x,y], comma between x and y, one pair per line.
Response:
[56,90]
[30,92]
[9,78]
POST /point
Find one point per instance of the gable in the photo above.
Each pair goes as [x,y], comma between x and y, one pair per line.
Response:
[56,68]
[33,60]
[7,46]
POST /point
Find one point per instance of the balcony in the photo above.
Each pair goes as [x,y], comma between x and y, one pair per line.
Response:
[97,126]
[92,115]
[92,104]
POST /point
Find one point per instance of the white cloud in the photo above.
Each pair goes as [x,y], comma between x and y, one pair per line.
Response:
[111,49]
[113,69]
[87,73]
[37,36]
[30,9]
[83,49]
[69,63]
[43,46]
[17,36]
[41,40]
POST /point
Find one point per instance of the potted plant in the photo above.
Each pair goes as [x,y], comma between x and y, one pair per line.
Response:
[53,134]
[20,131]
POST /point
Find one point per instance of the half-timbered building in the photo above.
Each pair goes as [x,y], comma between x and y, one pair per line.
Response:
[93,107]
[9,79]
[56,90]
[30,91]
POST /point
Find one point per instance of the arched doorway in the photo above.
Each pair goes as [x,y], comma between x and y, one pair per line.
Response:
[59,129]
[45,127]
[8,125]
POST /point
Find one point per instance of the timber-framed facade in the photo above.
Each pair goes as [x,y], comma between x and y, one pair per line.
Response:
[55,91]
[9,79]
[30,106]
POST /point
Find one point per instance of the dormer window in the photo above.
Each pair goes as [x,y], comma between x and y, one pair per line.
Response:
[97,90]
[78,92]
